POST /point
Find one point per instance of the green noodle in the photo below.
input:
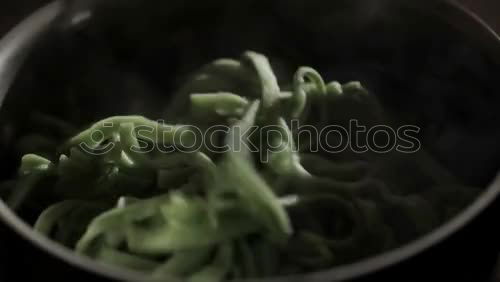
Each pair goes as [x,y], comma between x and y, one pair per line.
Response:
[206,217]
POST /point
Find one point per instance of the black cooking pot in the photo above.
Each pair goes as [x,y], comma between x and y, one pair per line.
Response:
[433,60]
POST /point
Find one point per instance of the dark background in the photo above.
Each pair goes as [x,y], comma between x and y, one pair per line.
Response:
[12,11]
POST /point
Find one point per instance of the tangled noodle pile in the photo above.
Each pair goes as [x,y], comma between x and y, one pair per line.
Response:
[240,210]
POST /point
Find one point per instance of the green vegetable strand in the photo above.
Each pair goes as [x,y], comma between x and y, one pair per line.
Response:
[132,192]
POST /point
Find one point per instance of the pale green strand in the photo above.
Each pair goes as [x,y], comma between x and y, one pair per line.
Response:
[49,218]
[223,104]
[270,88]
[218,269]
[184,263]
